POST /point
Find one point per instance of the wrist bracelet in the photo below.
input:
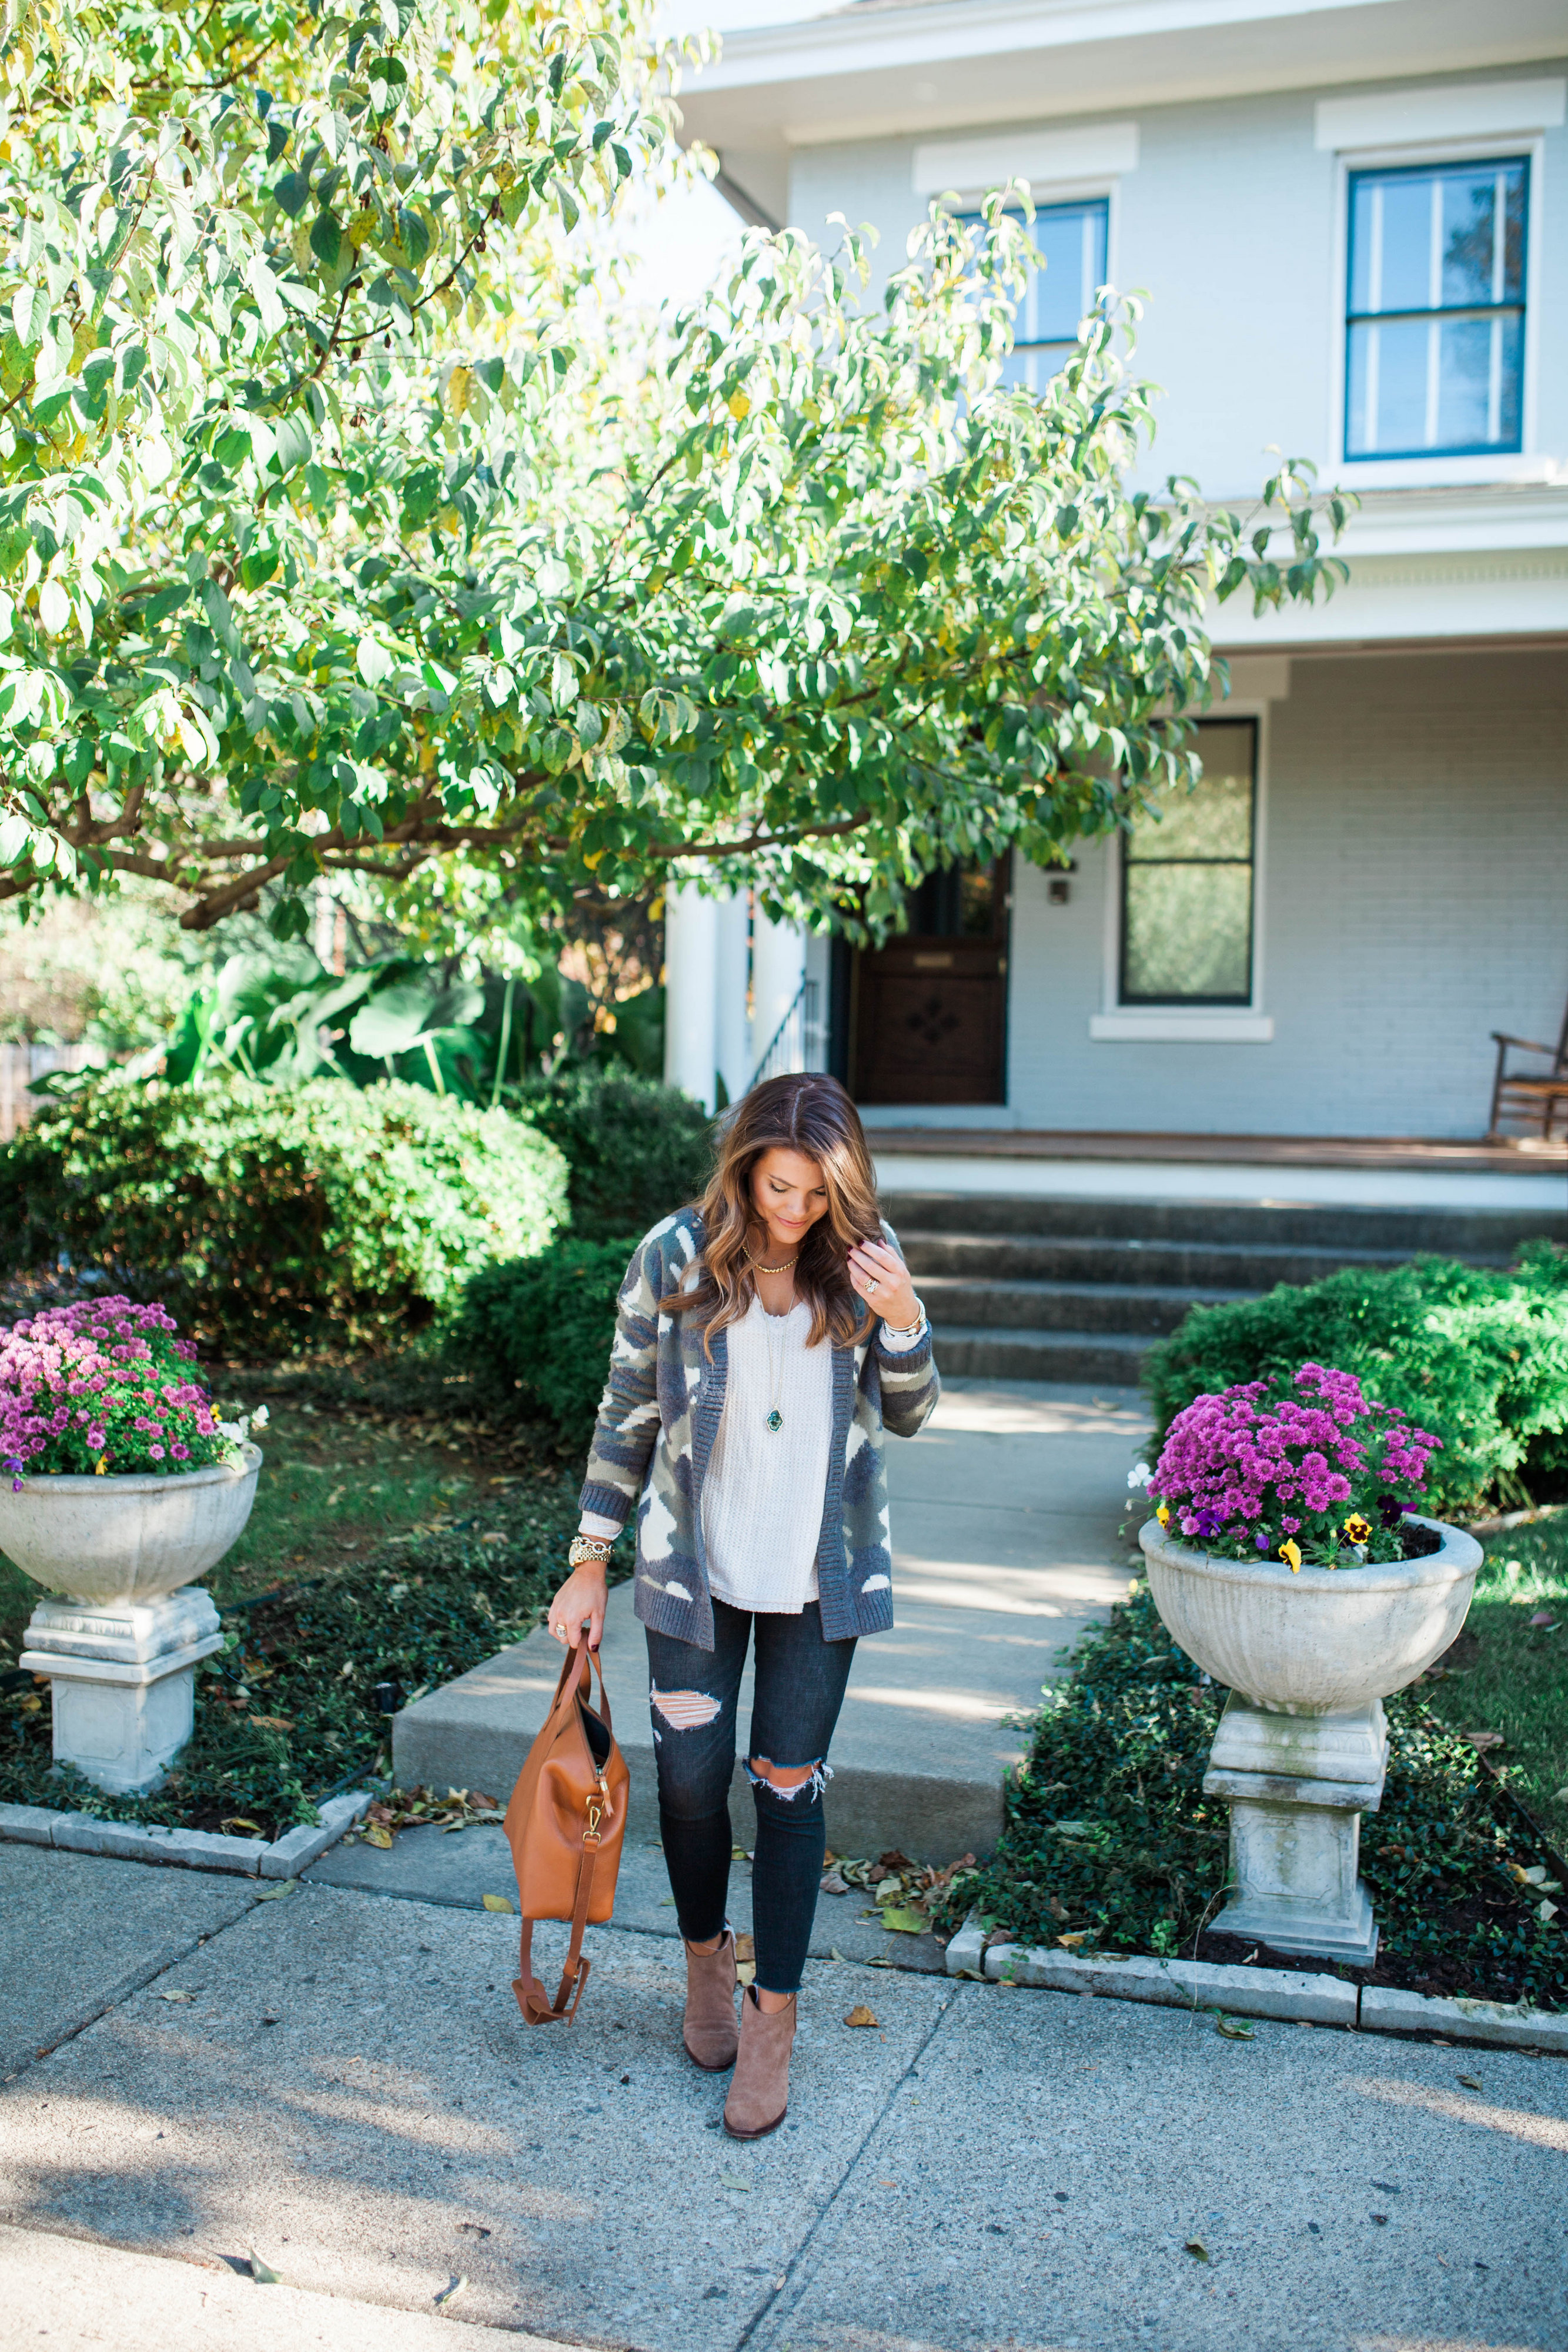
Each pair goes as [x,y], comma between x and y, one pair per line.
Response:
[585,1549]
[908,1331]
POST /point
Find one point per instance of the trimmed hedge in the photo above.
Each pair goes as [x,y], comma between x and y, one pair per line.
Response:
[541,1329]
[1479,1356]
[263,1217]
[636,1149]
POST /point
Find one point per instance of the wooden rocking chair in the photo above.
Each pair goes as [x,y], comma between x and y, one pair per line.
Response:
[1539,1102]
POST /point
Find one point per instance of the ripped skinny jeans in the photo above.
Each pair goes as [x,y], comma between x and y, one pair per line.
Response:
[798,1691]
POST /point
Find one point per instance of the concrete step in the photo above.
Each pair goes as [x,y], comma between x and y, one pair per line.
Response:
[1004,1352]
[1150,1309]
[1483,1236]
[1210,1267]
[1005,1513]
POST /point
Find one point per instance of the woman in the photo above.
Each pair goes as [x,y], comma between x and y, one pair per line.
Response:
[764,1340]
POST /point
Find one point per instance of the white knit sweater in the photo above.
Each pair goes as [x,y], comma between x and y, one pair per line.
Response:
[763,1494]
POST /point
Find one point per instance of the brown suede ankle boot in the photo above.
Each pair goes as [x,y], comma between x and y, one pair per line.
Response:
[760,2095]
[709,2032]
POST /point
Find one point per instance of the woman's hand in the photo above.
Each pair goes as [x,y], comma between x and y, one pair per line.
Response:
[580,1601]
[881,1278]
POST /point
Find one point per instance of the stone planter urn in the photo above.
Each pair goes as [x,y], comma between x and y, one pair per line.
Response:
[1301,1748]
[121,1647]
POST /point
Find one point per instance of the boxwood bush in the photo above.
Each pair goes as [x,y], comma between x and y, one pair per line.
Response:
[263,1217]
[636,1149]
[540,1329]
[1478,1355]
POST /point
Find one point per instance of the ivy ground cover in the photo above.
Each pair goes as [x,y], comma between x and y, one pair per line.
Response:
[1109,1846]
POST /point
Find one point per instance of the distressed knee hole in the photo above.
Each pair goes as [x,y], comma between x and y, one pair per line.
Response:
[786,1780]
[683,1710]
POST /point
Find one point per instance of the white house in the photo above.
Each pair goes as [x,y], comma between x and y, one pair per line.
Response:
[1351,223]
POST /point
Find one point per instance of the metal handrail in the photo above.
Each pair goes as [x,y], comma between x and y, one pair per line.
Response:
[797,1043]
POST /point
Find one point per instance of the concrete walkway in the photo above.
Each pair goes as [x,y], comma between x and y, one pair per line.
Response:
[1005,1513]
[342,2086]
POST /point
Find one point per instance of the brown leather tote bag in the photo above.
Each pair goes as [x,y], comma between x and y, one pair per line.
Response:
[565,1824]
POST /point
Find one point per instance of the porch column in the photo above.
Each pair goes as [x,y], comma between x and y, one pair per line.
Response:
[691,946]
[778,968]
[732,976]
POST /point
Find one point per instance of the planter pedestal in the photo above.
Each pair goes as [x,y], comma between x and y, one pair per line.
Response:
[122,1677]
[1297,1786]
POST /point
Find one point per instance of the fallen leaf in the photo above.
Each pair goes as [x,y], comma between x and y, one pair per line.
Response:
[738,1853]
[237,1821]
[499,1903]
[832,1883]
[262,2272]
[277,1891]
[1233,2027]
[1071,1943]
[176,1996]
[1481,1740]
[378,1834]
[888,1890]
[272,1723]
[834,1954]
[449,2293]
[733,2181]
[1197,2249]
[862,2015]
[745,1948]
[901,1921]
[1470,2081]
[745,1972]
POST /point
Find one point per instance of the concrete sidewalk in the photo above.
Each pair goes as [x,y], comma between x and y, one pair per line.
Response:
[1005,1513]
[347,2091]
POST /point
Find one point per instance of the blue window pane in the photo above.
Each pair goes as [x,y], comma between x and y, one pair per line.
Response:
[1402,255]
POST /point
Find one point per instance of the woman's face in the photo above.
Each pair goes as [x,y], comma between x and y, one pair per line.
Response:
[788,1196]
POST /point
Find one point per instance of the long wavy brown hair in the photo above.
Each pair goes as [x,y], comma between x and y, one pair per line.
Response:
[814,1115]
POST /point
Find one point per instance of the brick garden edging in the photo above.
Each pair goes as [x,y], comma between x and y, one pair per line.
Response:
[282,1857]
[1258,1992]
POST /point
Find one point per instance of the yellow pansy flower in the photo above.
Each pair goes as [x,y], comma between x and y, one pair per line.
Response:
[1164,1515]
[1357,1528]
[1292,1553]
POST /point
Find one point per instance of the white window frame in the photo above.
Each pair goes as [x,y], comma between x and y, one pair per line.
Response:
[1522,464]
[1214,1025]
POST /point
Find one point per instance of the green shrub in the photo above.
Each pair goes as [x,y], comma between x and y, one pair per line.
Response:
[636,1149]
[263,1216]
[541,1329]
[1479,1356]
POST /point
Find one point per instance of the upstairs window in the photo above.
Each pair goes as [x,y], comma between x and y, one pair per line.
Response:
[1435,330]
[1187,881]
[1074,240]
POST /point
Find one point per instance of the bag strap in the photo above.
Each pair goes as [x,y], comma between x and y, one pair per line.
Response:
[530,1993]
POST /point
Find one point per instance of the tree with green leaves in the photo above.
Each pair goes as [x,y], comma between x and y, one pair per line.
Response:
[336,537]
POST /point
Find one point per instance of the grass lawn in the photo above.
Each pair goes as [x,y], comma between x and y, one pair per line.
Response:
[1511,1675]
[383,1548]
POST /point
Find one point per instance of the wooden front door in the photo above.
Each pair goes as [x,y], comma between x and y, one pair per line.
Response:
[929,1015]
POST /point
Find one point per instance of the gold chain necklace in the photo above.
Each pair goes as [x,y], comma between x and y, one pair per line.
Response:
[758,1268]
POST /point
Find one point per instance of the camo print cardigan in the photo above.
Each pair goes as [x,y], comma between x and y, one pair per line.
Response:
[655,1436]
